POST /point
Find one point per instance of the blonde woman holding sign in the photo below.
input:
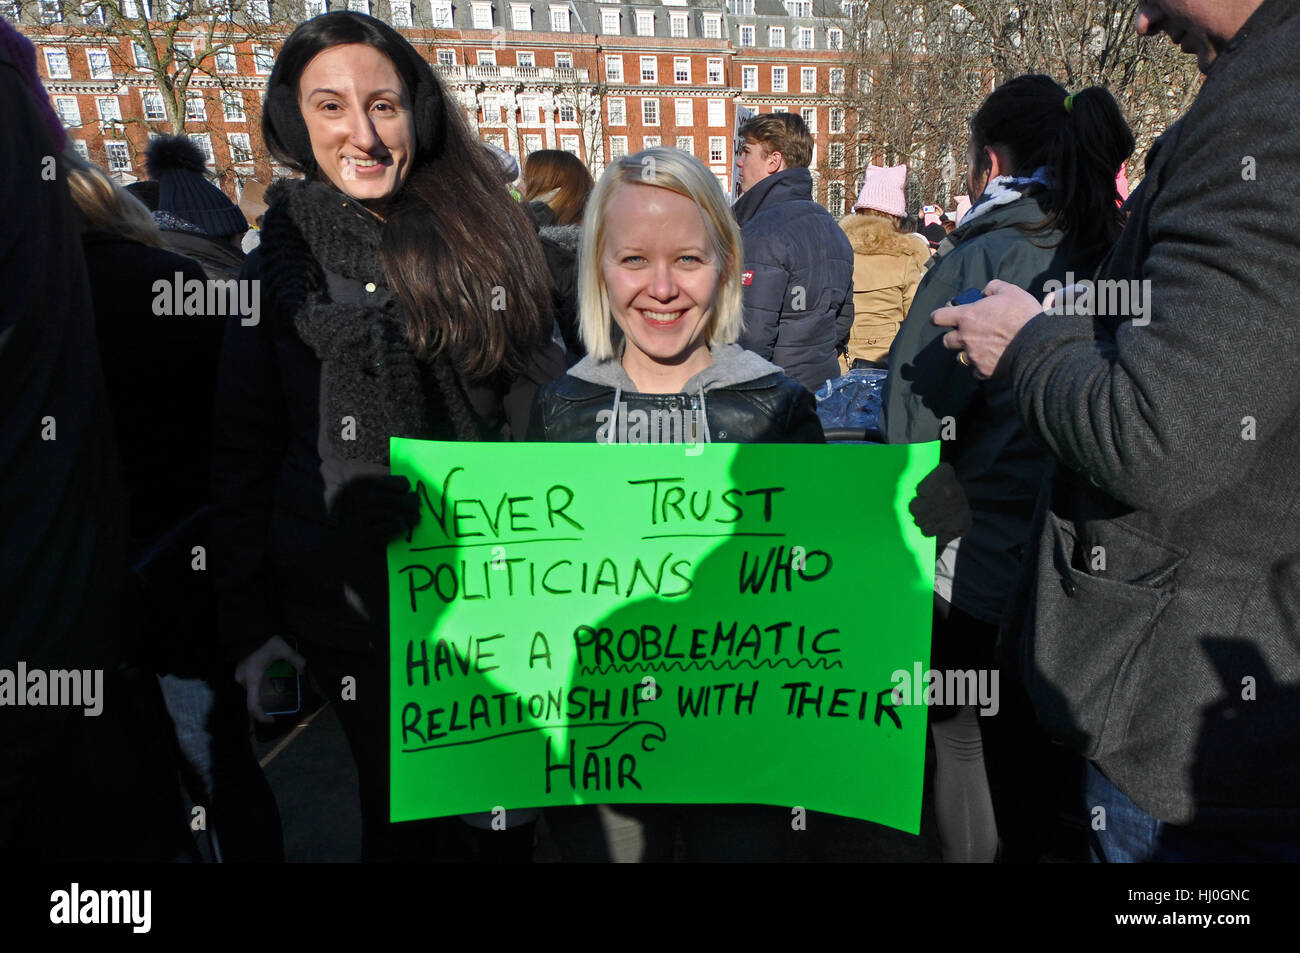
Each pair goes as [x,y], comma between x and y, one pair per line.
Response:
[659,310]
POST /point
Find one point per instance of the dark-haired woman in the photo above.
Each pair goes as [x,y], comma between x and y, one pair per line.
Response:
[1042,163]
[382,273]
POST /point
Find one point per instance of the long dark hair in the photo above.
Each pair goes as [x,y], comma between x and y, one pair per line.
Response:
[457,250]
[1084,139]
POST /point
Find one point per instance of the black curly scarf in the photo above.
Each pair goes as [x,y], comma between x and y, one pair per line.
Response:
[368,370]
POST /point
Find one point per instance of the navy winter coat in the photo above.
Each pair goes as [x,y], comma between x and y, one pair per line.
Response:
[798,278]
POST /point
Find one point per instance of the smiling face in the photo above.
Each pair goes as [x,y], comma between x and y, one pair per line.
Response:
[1203,27]
[661,273]
[358,114]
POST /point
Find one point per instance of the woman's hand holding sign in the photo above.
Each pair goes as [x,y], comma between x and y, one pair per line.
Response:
[982,330]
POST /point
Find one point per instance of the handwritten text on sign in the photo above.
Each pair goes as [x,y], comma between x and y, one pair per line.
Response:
[578,623]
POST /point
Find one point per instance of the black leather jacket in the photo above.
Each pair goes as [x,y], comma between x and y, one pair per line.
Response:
[769,409]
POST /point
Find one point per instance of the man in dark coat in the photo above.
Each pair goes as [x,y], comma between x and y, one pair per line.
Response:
[1161,610]
[798,272]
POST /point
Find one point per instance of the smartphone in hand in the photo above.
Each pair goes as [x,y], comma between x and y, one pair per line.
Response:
[281,692]
[969,296]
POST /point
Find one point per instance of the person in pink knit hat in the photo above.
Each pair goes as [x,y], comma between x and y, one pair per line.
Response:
[887,266]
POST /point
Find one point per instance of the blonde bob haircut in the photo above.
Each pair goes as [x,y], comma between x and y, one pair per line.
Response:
[678,172]
[106,205]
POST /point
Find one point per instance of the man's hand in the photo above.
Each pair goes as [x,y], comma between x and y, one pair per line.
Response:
[985,328]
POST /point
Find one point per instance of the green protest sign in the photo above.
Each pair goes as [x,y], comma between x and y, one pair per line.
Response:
[586,623]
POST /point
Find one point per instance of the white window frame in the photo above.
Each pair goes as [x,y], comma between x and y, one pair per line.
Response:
[521,16]
[617,147]
[51,12]
[451,57]
[196,109]
[807,79]
[68,109]
[679,26]
[834,39]
[712,27]
[681,70]
[687,107]
[717,114]
[559,19]
[804,39]
[610,22]
[533,141]
[259,11]
[572,111]
[148,96]
[685,144]
[651,74]
[531,57]
[571,144]
[232,106]
[617,110]
[359,6]
[783,84]
[399,11]
[650,111]
[713,72]
[717,150]
[244,145]
[480,16]
[835,84]
[564,61]
[748,35]
[57,52]
[613,69]
[836,127]
[113,112]
[749,79]
[80,148]
[204,142]
[263,60]
[225,61]
[835,198]
[105,70]
[651,142]
[139,54]
[835,155]
[485,57]
[182,53]
[117,154]
[776,37]
[645,23]
[809,116]
[443,18]
[314,8]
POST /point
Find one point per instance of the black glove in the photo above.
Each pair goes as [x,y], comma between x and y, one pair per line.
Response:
[940,507]
[374,510]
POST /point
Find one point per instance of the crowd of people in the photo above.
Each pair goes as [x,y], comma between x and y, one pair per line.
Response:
[1114,510]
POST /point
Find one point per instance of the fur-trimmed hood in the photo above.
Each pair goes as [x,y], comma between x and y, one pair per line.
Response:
[870,235]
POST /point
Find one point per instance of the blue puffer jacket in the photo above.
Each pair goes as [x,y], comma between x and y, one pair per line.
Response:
[798,278]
